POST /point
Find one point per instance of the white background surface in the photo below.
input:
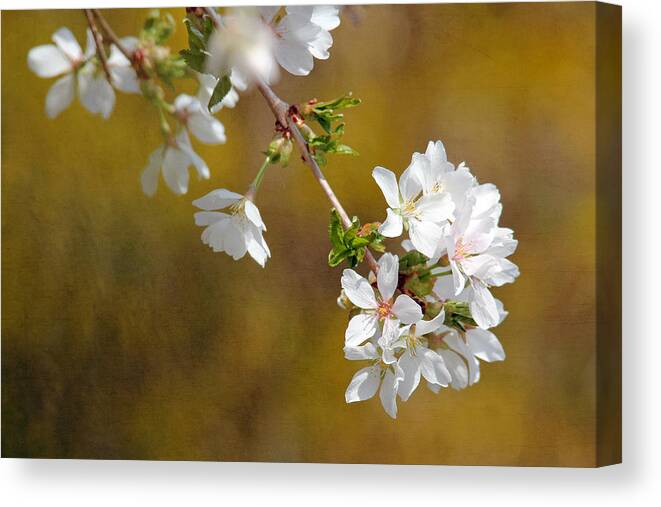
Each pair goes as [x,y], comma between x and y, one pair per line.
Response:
[636,482]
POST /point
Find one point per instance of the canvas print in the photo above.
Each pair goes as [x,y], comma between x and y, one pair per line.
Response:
[380,234]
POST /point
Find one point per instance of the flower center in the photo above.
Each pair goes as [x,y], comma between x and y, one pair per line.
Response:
[238,207]
[384,309]
[437,188]
[460,250]
[408,208]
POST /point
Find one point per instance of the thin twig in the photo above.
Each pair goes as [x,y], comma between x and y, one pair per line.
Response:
[280,110]
[98,41]
[110,34]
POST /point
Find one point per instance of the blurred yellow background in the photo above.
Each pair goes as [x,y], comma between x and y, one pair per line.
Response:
[123,336]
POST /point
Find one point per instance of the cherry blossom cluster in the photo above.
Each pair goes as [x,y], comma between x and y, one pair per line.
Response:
[426,312]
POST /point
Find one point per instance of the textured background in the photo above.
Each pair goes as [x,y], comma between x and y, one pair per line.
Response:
[124,337]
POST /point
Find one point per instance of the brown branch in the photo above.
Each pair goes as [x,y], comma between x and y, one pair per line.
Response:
[111,35]
[98,41]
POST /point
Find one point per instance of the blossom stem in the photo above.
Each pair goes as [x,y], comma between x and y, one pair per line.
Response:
[254,186]
[98,41]
[110,34]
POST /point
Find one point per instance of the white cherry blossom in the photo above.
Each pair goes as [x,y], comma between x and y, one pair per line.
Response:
[243,43]
[173,159]
[302,33]
[438,175]
[81,72]
[418,359]
[196,117]
[379,376]
[476,249]
[422,215]
[236,232]
[378,307]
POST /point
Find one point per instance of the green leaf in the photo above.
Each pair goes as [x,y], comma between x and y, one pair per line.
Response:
[222,88]
[195,60]
[335,230]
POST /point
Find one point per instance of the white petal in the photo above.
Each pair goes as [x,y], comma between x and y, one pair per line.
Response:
[207,128]
[367,351]
[60,95]
[433,367]
[256,246]
[388,392]
[205,218]
[326,16]
[444,287]
[410,365]
[423,327]
[252,212]
[363,385]
[425,236]
[48,61]
[184,144]
[483,306]
[175,170]
[387,276]
[485,345]
[459,346]
[150,174]
[435,208]
[410,182]
[64,39]
[294,57]
[95,93]
[358,290]
[407,310]
[458,278]
[217,199]
[393,226]
[387,182]
[457,368]
[125,79]
[360,328]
